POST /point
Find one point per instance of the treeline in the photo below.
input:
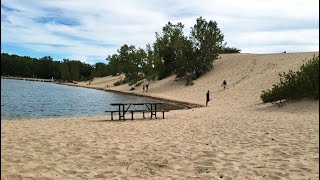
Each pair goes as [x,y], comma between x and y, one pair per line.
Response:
[172,53]
[296,85]
[46,68]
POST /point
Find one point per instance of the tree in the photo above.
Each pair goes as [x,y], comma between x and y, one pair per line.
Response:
[184,57]
[64,70]
[129,60]
[168,48]
[150,63]
[45,68]
[100,70]
[74,68]
[114,64]
[207,40]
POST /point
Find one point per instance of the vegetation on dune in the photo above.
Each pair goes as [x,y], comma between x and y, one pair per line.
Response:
[229,50]
[171,53]
[296,85]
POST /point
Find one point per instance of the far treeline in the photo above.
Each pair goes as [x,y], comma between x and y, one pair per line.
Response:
[171,53]
[46,68]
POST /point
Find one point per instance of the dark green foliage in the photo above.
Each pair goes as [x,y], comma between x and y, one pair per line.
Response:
[100,70]
[207,40]
[122,81]
[134,81]
[151,63]
[296,85]
[46,67]
[189,81]
[229,50]
[130,61]
[114,64]
[138,83]
[193,56]
[168,48]
[186,59]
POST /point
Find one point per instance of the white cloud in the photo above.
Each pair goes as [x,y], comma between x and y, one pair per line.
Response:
[255,26]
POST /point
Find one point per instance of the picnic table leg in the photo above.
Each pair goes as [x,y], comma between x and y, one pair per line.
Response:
[155,110]
[119,112]
[111,115]
[131,115]
[151,110]
[163,114]
[153,113]
[123,114]
[143,115]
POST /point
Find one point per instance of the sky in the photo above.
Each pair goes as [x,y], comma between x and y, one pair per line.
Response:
[90,30]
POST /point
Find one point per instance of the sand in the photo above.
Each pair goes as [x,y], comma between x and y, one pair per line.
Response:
[235,137]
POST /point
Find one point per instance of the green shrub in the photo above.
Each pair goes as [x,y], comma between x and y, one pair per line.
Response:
[135,80]
[122,81]
[227,50]
[296,85]
[189,81]
[152,77]
[131,83]
[139,83]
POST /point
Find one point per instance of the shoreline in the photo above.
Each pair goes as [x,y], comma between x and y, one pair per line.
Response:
[185,104]
[28,79]
[188,105]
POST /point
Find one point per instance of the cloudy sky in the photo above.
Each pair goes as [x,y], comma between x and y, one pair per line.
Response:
[90,30]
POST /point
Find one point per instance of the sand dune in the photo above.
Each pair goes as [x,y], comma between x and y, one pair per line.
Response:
[235,137]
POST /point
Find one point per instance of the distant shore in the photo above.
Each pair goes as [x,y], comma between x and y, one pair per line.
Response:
[27,79]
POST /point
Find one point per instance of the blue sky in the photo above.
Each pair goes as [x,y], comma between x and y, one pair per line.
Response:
[89,31]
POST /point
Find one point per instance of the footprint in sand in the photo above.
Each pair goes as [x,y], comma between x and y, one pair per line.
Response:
[139,168]
[247,174]
[201,170]
[12,177]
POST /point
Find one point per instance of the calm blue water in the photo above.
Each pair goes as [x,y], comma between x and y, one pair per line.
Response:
[30,99]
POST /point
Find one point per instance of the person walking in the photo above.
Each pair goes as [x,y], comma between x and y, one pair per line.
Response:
[208,98]
[224,84]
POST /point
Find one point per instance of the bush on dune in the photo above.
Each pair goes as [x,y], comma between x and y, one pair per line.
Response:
[229,50]
[296,85]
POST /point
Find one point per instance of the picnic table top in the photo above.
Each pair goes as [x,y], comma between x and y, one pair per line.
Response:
[118,104]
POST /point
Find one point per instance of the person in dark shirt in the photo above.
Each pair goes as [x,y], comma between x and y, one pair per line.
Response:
[224,84]
[208,98]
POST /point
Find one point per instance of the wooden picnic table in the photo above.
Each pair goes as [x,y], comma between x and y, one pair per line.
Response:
[124,107]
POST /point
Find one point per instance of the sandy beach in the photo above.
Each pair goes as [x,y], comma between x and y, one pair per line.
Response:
[235,137]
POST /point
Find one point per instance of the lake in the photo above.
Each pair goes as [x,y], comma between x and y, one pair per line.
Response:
[32,99]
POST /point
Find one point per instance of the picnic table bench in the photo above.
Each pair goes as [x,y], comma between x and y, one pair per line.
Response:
[123,108]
